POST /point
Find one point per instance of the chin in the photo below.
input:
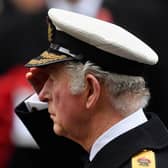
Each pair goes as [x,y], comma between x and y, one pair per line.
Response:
[58,130]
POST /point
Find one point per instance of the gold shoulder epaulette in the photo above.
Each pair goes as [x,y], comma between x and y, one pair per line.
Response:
[144,159]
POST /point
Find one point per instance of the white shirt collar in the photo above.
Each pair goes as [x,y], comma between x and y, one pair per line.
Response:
[135,119]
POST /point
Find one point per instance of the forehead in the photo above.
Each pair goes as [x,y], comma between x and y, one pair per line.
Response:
[58,68]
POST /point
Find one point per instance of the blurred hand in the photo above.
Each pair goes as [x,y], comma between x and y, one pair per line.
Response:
[37,77]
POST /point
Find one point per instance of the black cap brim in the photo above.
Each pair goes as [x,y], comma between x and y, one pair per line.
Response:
[47,58]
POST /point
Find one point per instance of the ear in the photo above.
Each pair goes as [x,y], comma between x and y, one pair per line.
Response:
[93,90]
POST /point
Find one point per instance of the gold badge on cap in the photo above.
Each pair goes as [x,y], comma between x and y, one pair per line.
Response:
[145,159]
[50,31]
[46,58]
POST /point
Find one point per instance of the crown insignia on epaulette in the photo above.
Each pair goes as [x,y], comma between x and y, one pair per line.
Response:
[144,159]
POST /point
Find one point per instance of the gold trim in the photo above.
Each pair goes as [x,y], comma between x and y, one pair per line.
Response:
[46,55]
[46,58]
[37,62]
[50,32]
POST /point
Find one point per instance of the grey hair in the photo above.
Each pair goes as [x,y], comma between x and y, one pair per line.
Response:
[127,93]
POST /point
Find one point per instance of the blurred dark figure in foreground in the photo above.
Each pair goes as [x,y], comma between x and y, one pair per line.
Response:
[20,21]
[22,34]
[148,20]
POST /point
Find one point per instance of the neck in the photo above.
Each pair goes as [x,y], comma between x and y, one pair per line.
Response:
[99,123]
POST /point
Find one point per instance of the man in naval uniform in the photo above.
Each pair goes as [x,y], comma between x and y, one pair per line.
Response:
[90,84]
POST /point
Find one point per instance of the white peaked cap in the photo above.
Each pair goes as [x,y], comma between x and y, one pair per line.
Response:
[103,35]
[77,37]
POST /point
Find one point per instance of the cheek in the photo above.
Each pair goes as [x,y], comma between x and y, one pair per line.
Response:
[61,100]
[67,107]
[73,110]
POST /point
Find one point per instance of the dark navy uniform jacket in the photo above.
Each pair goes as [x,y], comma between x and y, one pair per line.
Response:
[151,135]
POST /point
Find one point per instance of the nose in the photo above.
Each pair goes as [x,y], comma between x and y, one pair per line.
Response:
[44,92]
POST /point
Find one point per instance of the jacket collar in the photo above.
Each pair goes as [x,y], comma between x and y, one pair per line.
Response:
[151,135]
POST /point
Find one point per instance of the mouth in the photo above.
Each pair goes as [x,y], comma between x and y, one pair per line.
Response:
[52,117]
[52,114]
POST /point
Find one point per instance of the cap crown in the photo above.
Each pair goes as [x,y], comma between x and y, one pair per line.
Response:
[77,37]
